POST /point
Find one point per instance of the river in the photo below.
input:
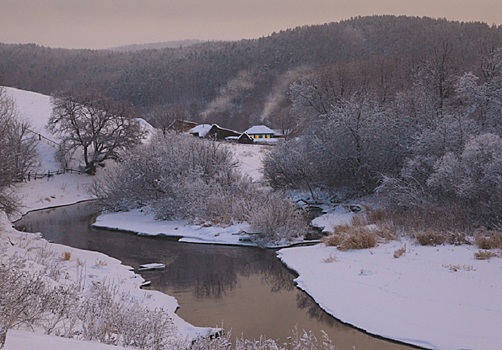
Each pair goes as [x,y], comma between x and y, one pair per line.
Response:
[245,290]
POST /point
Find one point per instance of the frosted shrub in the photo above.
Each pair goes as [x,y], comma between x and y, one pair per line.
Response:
[111,317]
[473,177]
[177,177]
[298,341]
[275,219]
[180,177]
[100,312]
[27,298]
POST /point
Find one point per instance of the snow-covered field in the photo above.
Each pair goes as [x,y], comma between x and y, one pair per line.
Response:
[435,297]
[438,298]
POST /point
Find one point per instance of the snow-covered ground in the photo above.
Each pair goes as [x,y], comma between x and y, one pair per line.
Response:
[435,297]
[438,298]
[21,340]
[144,224]
[62,190]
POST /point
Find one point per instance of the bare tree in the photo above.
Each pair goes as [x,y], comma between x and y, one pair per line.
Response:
[163,116]
[99,127]
[17,149]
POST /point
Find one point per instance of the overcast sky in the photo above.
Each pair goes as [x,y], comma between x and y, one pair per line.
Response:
[108,23]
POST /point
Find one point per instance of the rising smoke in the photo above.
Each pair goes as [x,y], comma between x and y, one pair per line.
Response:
[278,93]
[243,82]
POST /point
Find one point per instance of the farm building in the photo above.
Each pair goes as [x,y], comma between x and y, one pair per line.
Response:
[213,131]
[262,132]
[181,125]
[200,130]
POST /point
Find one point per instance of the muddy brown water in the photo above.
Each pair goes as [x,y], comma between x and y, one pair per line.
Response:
[245,290]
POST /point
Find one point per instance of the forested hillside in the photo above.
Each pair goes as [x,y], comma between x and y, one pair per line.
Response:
[238,83]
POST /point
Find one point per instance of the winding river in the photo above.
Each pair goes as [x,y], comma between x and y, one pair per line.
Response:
[245,290]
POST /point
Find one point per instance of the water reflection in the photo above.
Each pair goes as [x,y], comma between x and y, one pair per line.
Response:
[246,290]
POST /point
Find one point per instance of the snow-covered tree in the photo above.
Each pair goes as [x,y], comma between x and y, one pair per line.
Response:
[349,147]
[481,98]
[17,149]
[289,165]
[474,178]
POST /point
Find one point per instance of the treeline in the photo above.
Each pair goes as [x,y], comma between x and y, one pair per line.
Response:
[238,83]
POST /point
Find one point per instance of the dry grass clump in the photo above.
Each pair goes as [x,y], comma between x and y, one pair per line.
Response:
[430,237]
[330,259]
[385,233]
[484,255]
[457,238]
[489,240]
[436,237]
[66,256]
[361,233]
[347,237]
[375,221]
[400,252]
[360,238]
[458,267]
[332,240]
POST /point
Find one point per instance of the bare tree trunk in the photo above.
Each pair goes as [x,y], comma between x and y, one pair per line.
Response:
[3,336]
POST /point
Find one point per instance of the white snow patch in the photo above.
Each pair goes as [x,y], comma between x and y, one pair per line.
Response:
[434,297]
[20,340]
[144,223]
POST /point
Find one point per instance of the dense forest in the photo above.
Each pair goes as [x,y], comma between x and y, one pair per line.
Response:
[244,82]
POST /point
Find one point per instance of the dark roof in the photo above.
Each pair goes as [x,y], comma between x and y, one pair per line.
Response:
[181,125]
[220,133]
[244,138]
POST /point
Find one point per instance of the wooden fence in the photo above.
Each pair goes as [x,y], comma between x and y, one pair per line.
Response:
[37,176]
[49,174]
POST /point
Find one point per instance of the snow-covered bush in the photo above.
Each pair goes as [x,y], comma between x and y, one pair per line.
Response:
[298,341]
[182,177]
[178,177]
[25,297]
[275,219]
[349,146]
[111,317]
[100,311]
[291,165]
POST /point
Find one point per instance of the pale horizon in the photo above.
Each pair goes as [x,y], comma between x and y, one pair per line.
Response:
[100,24]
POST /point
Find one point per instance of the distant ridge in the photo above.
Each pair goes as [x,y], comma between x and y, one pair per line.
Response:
[156,46]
